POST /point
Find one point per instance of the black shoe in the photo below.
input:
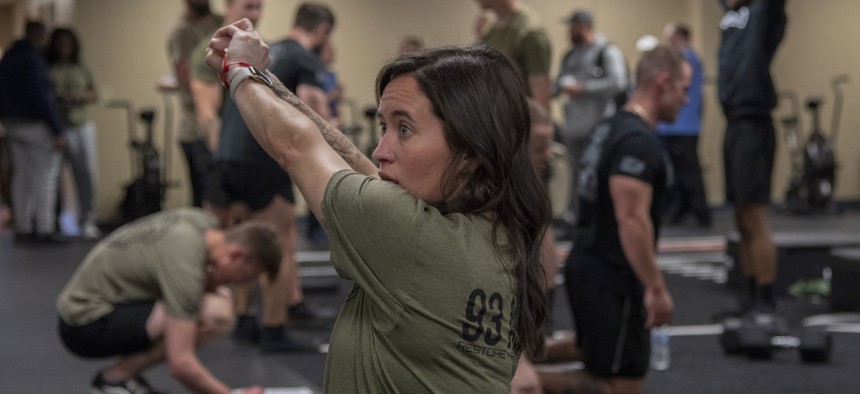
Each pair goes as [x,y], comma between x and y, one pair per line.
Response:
[131,386]
[49,239]
[276,340]
[677,219]
[704,221]
[24,238]
[301,316]
[247,331]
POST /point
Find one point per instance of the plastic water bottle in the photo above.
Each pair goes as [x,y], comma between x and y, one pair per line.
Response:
[661,355]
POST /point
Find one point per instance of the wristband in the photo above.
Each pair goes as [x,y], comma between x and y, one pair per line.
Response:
[225,68]
[245,73]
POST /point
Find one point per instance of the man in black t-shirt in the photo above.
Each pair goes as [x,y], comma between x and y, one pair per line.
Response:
[616,291]
[246,173]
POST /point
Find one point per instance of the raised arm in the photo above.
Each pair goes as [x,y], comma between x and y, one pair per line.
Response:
[303,143]
[332,135]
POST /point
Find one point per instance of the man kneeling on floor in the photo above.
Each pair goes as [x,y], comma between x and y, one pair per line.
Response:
[615,289]
[154,290]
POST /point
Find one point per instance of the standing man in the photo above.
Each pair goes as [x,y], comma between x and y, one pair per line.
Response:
[206,90]
[681,138]
[34,128]
[519,34]
[591,75]
[197,23]
[616,291]
[153,291]
[246,173]
[751,33]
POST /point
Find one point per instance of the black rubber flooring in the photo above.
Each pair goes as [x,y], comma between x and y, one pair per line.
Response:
[32,360]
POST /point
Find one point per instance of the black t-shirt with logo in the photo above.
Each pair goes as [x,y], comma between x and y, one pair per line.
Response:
[620,145]
[293,65]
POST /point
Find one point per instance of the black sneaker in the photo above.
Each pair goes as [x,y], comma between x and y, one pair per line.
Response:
[23,238]
[276,340]
[49,239]
[301,316]
[131,386]
[247,331]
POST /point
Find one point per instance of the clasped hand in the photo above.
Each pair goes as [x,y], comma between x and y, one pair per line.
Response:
[240,43]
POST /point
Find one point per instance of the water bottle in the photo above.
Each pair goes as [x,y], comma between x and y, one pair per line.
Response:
[660,353]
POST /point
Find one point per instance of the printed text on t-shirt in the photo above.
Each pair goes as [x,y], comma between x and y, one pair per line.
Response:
[484,321]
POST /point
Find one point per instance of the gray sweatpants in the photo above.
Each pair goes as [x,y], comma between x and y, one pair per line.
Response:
[35,169]
[81,155]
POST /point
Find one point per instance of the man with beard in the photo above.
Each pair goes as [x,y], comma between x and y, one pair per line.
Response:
[615,289]
[590,76]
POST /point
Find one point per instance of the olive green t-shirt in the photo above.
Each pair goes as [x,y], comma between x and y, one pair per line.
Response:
[431,307]
[182,44]
[159,257]
[72,79]
[524,40]
[198,68]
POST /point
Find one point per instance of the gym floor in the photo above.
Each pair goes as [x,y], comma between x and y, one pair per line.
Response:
[32,360]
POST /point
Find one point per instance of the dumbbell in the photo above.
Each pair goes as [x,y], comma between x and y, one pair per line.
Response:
[730,341]
[756,342]
[730,338]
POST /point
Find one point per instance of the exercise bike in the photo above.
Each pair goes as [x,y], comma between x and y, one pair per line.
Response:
[813,166]
[145,194]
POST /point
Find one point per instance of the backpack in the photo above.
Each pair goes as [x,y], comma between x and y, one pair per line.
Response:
[621,97]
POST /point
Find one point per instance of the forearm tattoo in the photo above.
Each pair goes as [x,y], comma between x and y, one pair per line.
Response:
[339,142]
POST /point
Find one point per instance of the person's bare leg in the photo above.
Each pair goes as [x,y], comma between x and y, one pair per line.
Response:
[221,213]
[744,249]
[278,294]
[624,385]
[758,253]
[562,347]
[243,294]
[570,381]
[760,243]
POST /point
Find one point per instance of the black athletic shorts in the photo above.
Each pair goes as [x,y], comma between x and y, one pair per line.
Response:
[610,330]
[120,332]
[236,182]
[748,153]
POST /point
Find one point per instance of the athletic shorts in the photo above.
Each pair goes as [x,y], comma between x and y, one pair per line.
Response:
[236,182]
[610,330]
[748,154]
[120,332]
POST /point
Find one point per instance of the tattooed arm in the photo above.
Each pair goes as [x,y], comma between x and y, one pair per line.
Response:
[332,135]
[302,143]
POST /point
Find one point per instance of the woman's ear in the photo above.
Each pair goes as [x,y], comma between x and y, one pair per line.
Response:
[467,166]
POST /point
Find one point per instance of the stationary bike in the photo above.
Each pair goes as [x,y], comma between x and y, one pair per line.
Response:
[813,174]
